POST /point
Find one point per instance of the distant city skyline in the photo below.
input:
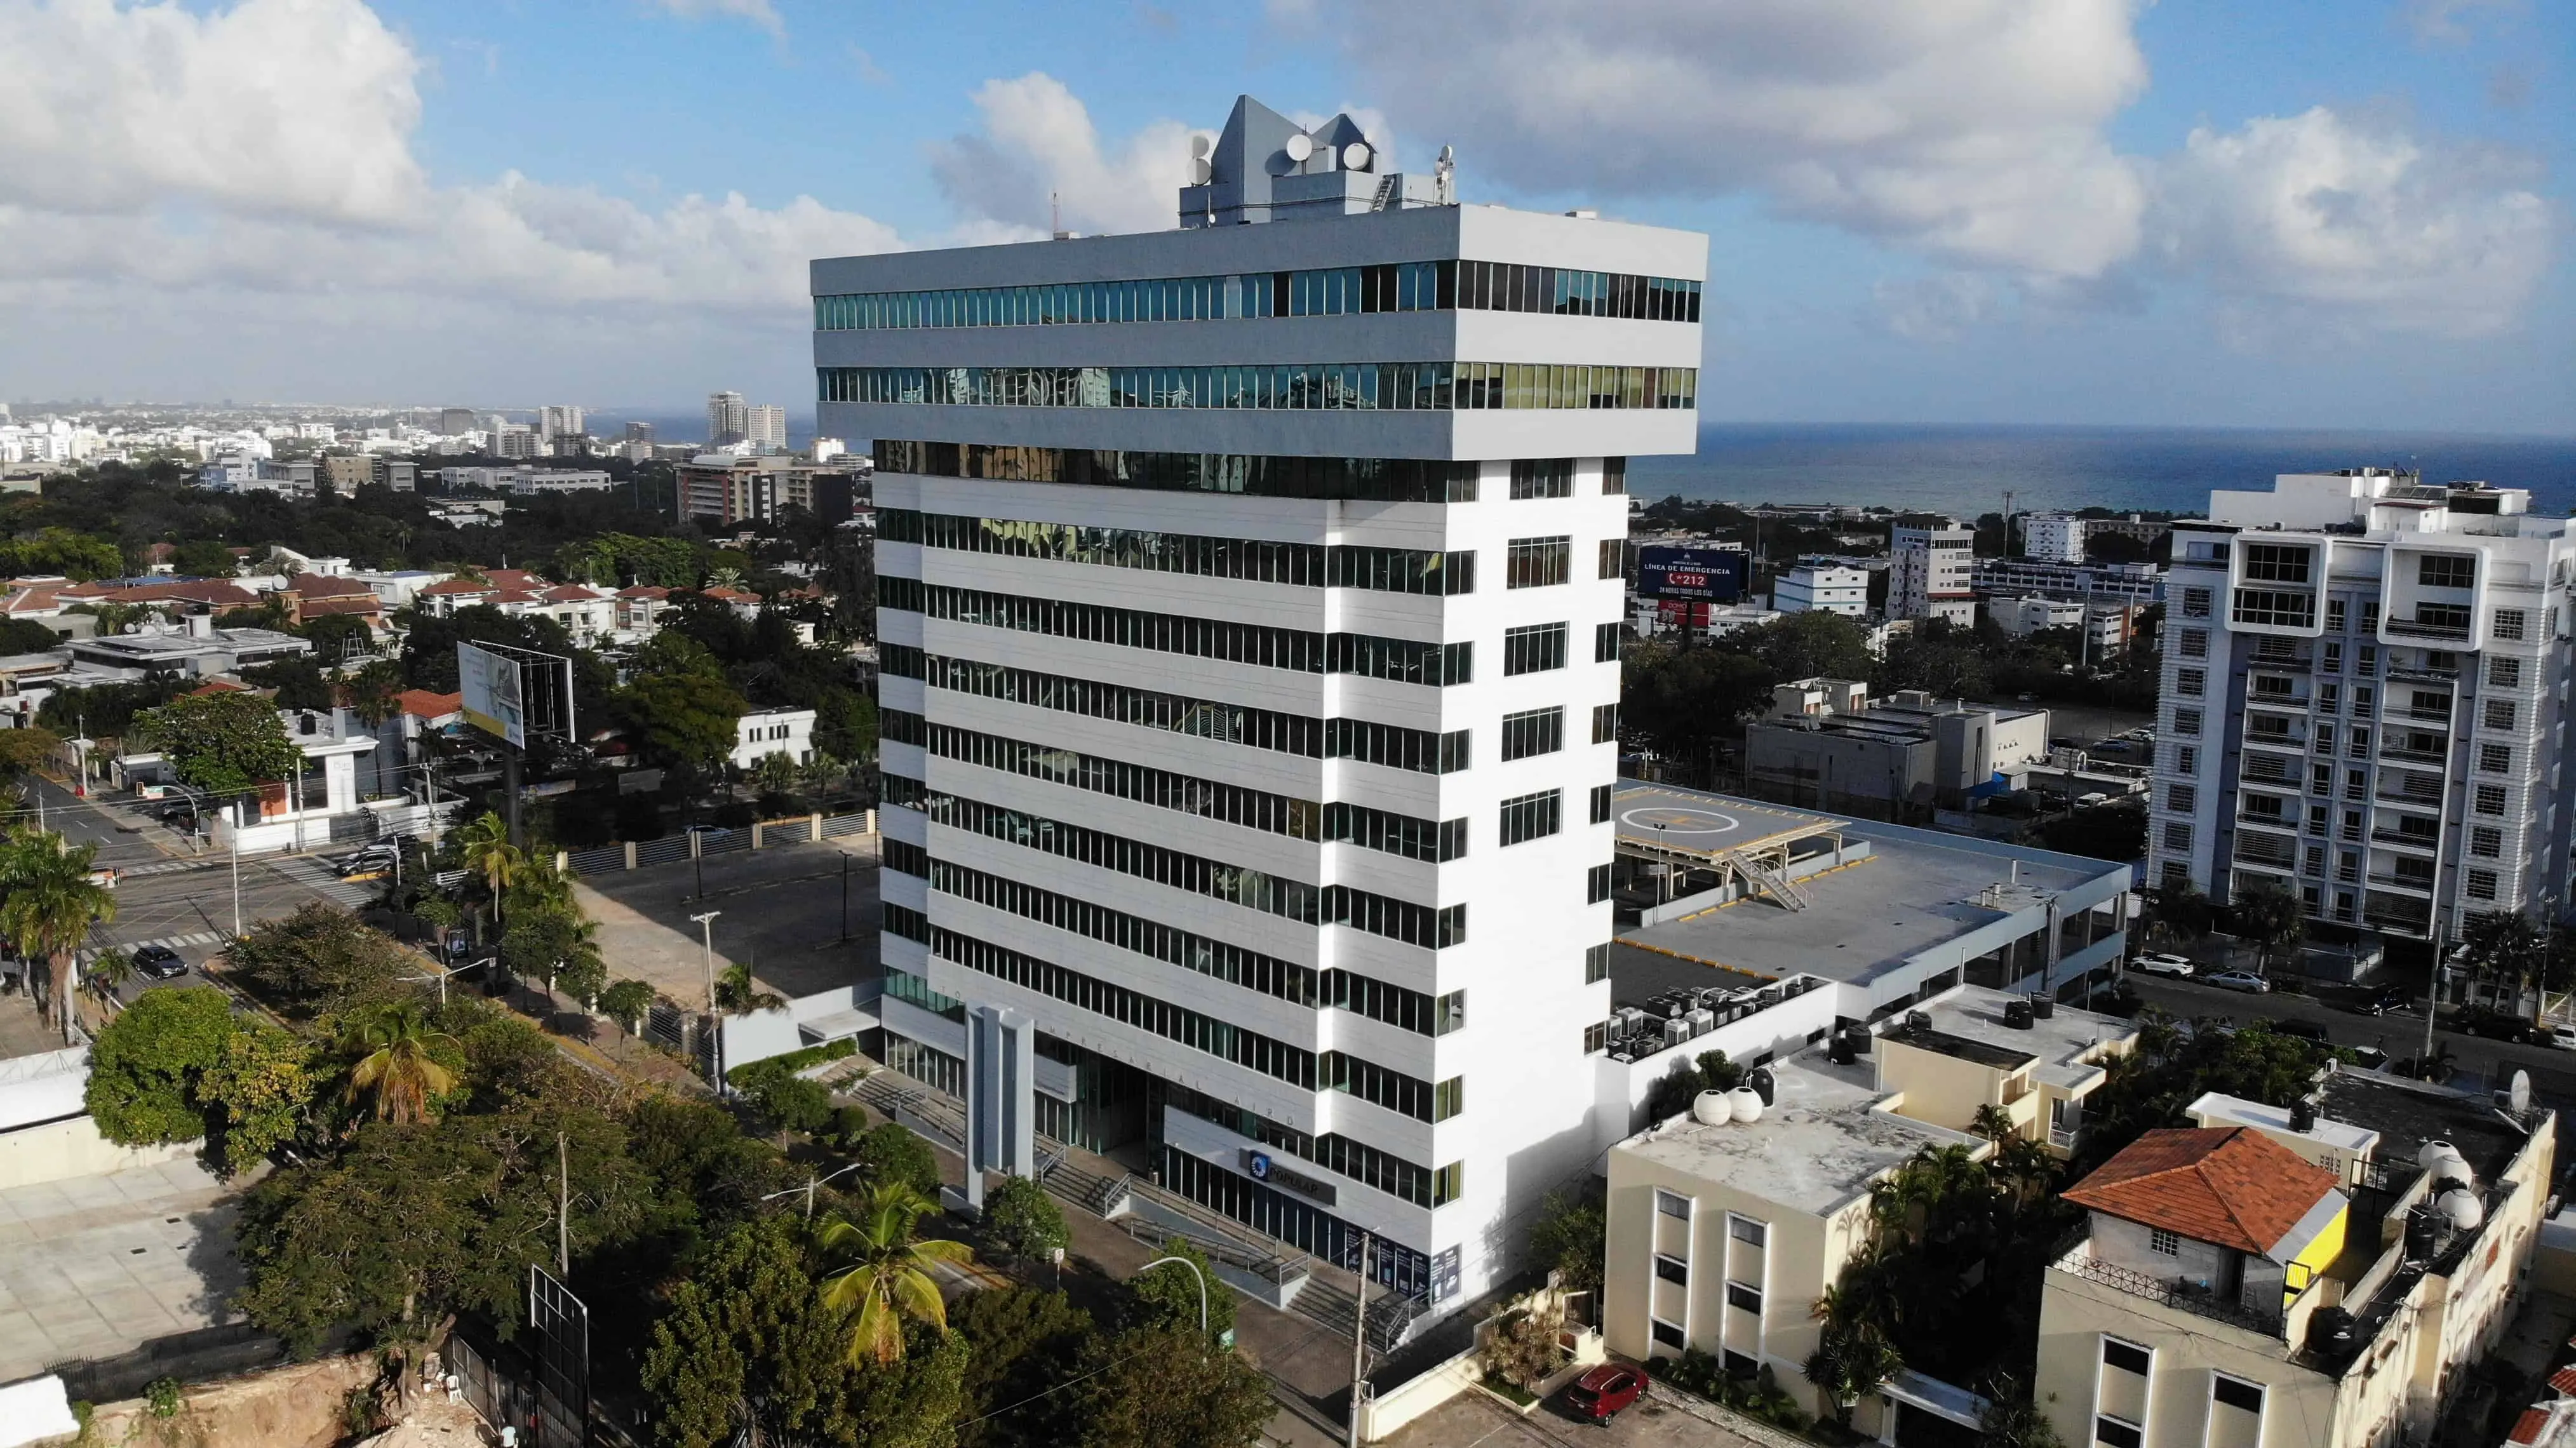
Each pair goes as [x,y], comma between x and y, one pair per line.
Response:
[2326,215]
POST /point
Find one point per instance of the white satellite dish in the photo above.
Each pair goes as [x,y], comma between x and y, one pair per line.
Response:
[1299,147]
[2521,1092]
[1201,171]
[1199,144]
[1355,156]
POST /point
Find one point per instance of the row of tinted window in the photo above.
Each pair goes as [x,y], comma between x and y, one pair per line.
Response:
[1367,741]
[1286,387]
[1373,480]
[1431,927]
[1403,661]
[1234,804]
[1312,565]
[1345,990]
[1418,286]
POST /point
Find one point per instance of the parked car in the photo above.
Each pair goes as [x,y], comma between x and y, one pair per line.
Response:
[2380,1000]
[1597,1396]
[2498,1025]
[2563,1037]
[2304,1030]
[158,962]
[103,877]
[2164,962]
[2244,980]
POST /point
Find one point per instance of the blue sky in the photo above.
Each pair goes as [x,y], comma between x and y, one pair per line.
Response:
[2080,211]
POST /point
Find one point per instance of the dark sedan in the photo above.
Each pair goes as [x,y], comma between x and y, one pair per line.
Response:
[158,962]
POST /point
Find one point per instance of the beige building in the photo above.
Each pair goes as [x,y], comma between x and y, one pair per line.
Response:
[1722,1235]
[2318,1277]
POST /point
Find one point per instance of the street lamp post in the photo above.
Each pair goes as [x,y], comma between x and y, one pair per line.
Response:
[1194,1272]
[812,1183]
[707,935]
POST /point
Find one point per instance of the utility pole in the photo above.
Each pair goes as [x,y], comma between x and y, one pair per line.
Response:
[715,1066]
[232,837]
[845,898]
[563,1208]
[1359,1343]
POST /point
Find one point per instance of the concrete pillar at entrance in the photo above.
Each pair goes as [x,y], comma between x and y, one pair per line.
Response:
[1001,1096]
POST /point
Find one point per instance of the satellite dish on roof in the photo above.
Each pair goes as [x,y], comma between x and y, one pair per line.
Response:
[1299,147]
[1355,156]
[2521,1092]
[1202,171]
[1199,144]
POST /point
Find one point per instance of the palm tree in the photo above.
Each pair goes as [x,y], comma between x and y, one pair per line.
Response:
[1993,1123]
[1852,1358]
[484,846]
[108,976]
[736,995]
[884,1272]
[395,1066]
[48,902]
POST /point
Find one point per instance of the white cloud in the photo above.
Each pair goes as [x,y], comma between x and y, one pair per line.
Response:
[2451,22]
[1937,308]
[2321,216]
[1969,130]
[297,106]
[758,12]
[1038,141]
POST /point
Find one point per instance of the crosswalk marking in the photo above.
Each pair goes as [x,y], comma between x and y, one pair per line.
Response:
[175,942]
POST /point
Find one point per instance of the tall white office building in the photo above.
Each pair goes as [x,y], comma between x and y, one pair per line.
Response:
[765,427]
[1930,573]
[2363,697]
[556,421]
[1250,605]
[728,419]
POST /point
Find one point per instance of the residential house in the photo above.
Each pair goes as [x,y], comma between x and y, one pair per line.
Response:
[765,732]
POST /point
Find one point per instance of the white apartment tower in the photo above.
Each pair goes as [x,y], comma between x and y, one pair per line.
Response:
[728,419]
[765,427]
[556,420]
[1250,599]
[2052,537]
[1930,571]
[1822,583]
[2364,688]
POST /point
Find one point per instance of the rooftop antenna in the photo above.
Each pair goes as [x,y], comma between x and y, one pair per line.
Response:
[1055,215]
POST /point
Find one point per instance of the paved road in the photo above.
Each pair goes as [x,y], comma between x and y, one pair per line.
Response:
[2399,1033]
[168,895]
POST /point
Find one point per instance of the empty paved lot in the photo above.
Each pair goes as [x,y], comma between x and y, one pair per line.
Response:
[99,1265]
[781,911]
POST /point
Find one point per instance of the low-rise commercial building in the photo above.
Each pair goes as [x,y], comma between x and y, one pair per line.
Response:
[1727,1223]
[1827,746]
[2135,584]
[1822,584]
[764,732]
[2314,1277]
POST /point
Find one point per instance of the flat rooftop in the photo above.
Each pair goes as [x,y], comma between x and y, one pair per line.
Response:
[1913,892]
[1694,822]
[1818,1146]
[2216,1108]
[1975,1015]
[2407,1114]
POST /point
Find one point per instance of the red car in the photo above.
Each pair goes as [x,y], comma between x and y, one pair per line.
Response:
[1598,1395]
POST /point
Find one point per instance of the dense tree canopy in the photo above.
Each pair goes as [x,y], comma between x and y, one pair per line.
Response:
[222,743]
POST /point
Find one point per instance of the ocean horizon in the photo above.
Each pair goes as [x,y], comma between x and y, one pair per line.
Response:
[1966,470]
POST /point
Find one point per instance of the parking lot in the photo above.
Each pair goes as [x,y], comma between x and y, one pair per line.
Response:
[1475,1417]
[803,915]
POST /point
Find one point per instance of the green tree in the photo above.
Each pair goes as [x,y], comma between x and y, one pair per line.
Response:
[1169,1295]
[298,684]
[57,550]
[397,1067]
[375,691]
[109,973]
[748,1350]
[226,743]
[1852,1359]
[26,636]
[146,1064]
[682,703]
[48,903]
[203,558]
[1570,1239]
[1025,1346]
[484,847]
[2271,917]
[2505,946]
[882,1274]
[738,994]
[2012,1420]
[261,1089]
[775,773]
[890,1153]
[1165,1387]
[2177,912]
[1679,702]
[628,1002]
[321,960]
[1021,1221]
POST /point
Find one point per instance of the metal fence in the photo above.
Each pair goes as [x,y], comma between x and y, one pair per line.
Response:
[599,861]
[662,851]
[718,842]
[764,834]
